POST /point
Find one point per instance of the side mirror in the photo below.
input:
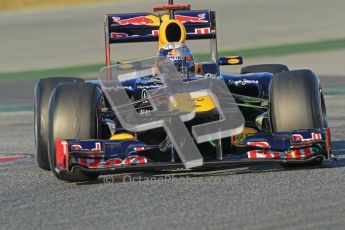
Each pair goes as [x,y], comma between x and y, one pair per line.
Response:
[230,60]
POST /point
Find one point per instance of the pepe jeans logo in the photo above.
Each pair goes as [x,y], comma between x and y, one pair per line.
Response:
[172,106]
[243,82]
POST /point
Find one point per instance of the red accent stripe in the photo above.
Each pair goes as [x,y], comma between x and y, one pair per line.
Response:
[155,32]
[95,163]
[8,159]
[288,156]
[276,155]
[307,152]
[328,138]
[252,154]
[60,156]
[113,162]
[268,155]
[297,138]
[84,162]
[316,136]
[107,57]
[297,154]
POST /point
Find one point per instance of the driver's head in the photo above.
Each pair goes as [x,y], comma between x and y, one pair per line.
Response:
[181,56]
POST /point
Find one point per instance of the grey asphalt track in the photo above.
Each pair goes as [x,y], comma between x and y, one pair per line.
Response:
[258,197]
[74,36]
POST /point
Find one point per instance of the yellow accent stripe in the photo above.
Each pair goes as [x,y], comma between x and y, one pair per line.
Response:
[121,136]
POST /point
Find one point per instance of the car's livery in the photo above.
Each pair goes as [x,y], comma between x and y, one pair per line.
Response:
[78,146]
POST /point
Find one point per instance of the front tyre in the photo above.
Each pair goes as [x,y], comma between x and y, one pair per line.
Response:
[43,90]
[73,114]
[296,102]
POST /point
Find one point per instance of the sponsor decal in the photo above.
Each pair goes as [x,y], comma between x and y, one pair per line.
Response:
[128,161]
[243,82]
[143,86]
[237,139]
[80,148]
[153,20]
[61,154]
[296,138]
[174,55]
[136,21]
[118,35]
[113,162]
[203,30]
[90,163]
[259,144]
[184,18]
[233,61]
[293,154]
[155,32]
[261,154]
[134,160]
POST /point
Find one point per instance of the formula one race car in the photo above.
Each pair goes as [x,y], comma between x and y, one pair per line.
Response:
[142,115]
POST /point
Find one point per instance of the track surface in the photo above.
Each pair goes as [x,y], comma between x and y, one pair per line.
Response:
[265,197]
[74,36]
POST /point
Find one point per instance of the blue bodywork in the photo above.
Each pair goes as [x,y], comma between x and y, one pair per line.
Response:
[250,91]
[252,86]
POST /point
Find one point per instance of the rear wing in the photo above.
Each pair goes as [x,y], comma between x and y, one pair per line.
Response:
[144,27]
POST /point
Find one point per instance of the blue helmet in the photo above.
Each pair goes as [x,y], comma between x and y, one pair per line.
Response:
[181,56]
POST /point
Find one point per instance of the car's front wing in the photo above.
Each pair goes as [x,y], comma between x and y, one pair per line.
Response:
[109,156]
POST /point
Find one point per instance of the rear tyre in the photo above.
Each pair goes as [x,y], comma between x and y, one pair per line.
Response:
[73,114]
[268,68]
[296,102]
[43,91]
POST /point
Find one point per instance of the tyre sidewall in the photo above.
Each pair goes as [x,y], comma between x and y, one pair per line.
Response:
[295,101]
[43,90]
[73,115]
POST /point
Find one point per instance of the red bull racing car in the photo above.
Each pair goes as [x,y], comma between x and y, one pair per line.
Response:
[268,114]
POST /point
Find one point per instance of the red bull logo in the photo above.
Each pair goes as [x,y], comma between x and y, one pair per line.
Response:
[174,55]
[137,21]
[183,18]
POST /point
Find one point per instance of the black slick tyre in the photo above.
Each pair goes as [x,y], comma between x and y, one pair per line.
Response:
[73,114]
[43,90]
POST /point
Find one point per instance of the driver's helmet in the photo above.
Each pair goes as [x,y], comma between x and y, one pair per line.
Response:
[181,56]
